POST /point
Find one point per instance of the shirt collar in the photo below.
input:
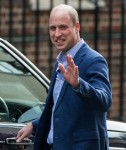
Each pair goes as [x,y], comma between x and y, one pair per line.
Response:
[61,58]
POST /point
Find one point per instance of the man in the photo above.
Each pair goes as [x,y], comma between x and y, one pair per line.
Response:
[79,96]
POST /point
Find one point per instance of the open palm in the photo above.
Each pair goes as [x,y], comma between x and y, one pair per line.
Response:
[70,73]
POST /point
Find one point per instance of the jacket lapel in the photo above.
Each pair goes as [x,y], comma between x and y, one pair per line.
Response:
[61,95]
[77,59]
[52,82]
[79,56]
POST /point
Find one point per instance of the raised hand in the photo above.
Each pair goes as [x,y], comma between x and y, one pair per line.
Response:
[70,73]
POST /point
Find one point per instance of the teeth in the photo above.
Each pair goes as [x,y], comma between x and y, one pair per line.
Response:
[59,41]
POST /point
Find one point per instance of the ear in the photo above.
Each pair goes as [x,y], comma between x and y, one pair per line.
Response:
[77,26]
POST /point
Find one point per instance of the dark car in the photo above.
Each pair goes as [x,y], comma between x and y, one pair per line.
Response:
[23,90]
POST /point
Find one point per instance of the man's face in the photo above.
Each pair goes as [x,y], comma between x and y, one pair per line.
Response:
[63,32]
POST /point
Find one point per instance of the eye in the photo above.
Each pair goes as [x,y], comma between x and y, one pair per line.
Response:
[63,27]
[52,28]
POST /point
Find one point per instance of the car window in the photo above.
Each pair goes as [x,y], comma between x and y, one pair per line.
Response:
[20,90]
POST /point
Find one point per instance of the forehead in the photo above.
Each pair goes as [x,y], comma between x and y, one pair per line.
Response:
[59,17]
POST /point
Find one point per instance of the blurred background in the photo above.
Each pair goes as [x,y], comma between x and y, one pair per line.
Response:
[24,23]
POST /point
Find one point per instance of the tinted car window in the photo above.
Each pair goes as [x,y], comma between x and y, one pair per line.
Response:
[21,92]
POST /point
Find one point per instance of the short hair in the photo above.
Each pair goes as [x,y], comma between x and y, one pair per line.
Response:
[71,11]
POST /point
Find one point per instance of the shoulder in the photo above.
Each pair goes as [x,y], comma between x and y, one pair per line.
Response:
[89,52]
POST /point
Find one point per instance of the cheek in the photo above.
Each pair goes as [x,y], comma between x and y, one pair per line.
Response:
[51,35]
[71,36]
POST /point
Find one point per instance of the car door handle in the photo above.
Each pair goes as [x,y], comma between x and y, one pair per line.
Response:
[25,141]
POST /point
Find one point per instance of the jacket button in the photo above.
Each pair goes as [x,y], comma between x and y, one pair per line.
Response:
[84,93]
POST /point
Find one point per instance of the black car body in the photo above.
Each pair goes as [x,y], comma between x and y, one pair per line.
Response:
[23,90]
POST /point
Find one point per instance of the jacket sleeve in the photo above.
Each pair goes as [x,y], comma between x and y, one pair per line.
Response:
[95,87]
[35,124]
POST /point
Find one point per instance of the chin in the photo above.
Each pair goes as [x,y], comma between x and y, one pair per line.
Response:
[61,48]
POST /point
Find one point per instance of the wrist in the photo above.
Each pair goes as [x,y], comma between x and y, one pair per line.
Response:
[76,86]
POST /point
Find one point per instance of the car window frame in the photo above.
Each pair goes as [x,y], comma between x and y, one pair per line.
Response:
[26,63]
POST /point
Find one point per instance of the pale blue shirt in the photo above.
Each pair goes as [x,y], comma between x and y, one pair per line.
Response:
[60,80]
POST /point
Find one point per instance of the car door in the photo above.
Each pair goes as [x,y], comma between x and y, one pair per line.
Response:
[117,135]
[23,90]
[117,140]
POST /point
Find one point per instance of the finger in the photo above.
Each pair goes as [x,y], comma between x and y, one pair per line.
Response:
[19,134]
[76,72]
[73,72]
[61,67]
[21,147]
[19,139]
[70,61]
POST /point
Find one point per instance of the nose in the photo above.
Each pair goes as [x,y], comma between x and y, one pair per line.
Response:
[57,32]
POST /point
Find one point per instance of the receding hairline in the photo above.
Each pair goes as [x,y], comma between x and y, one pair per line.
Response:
[71,11]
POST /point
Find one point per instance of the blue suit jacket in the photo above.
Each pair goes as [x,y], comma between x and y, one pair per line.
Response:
[79,116]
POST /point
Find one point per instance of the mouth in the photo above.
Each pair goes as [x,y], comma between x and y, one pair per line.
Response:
[59,41]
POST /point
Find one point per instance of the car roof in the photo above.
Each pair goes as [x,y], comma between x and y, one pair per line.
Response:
[116,126]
